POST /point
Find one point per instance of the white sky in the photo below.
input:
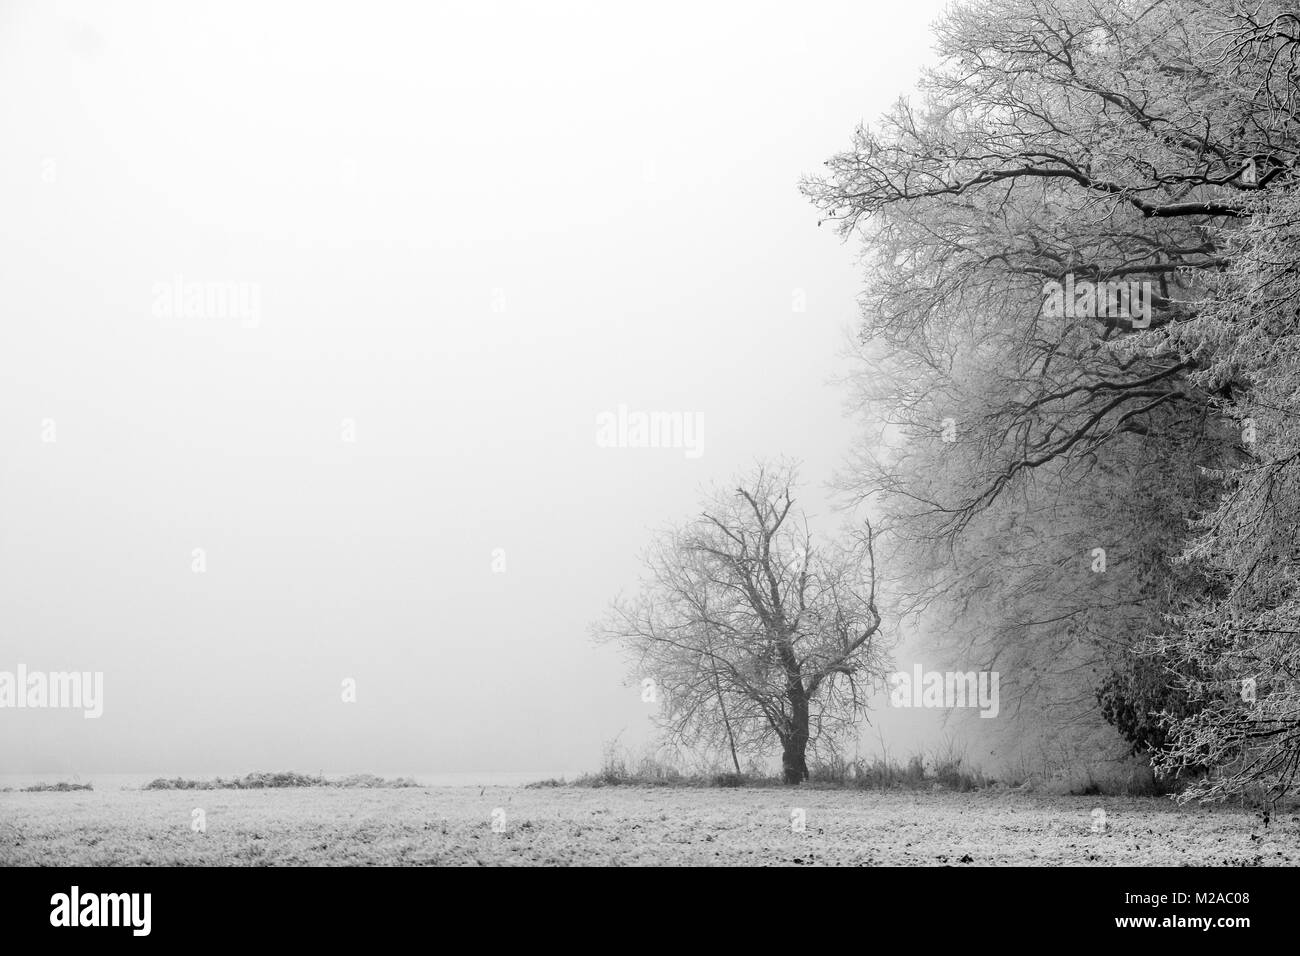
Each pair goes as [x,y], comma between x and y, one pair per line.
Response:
[625,183]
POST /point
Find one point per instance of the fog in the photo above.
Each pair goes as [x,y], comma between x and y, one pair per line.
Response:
[310,313]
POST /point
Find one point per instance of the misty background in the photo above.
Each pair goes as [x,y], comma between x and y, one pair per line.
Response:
[473,228]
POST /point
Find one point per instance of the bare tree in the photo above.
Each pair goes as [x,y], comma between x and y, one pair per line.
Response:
[755,636]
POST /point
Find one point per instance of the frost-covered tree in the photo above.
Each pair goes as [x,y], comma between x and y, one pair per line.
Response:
[1091,142]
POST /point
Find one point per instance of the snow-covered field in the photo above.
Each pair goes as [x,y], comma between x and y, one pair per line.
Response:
[455,825]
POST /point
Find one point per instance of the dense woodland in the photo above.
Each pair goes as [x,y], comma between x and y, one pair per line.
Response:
[1096,141]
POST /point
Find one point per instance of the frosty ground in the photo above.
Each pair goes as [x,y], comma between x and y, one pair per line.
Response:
[628,825]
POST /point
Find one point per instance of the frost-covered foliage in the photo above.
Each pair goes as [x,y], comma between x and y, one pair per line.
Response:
[1068,493]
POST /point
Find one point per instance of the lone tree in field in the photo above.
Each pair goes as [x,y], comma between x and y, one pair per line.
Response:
[753,635]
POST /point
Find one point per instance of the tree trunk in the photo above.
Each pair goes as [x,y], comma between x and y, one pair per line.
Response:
[722,705]
[794,745]
[794,767]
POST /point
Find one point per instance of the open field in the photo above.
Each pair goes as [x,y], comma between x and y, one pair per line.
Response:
[627,825]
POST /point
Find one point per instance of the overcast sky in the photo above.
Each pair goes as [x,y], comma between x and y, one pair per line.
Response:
[463,232]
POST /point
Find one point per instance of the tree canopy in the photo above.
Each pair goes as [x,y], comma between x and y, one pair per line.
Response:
[1083,143]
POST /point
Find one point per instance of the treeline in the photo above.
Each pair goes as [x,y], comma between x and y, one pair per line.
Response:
[1080,361]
